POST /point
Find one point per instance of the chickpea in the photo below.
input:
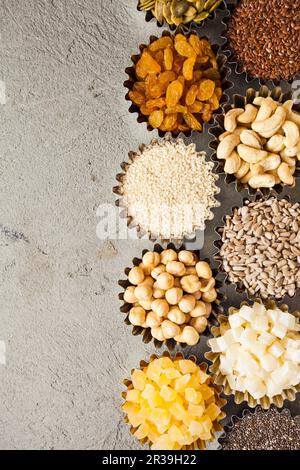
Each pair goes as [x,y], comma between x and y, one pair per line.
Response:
[204,270]
[157,333]
[200,324]
[167,256]
[136,276]
[173,296]
[190,335]
[207,285]
[199,310]
[190,271]
[187,257]
[170,329]
[176,316]
[129,296]
[153,320]
[178,338]
[176,268]
[146,304]
[190,284]
[158,293]
[160,307]
[210,296]
[187,303]
[161,268]
[148,281]
[208,307]
[137,316]
[197,295]
[151,259]
[146,269]
[143,292]
[165,281]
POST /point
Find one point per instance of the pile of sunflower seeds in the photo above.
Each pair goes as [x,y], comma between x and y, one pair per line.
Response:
[261,248]
[176,12]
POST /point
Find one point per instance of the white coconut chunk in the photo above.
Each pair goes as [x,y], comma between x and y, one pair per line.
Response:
[269,362]
[276,349]
[236,320]
[279,330]
[266,338]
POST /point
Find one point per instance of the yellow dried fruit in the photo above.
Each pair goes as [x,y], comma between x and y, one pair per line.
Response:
[191,95]
[188,68]
[174,93]
[168,58]
[192,122]
[206,90]
[156,119]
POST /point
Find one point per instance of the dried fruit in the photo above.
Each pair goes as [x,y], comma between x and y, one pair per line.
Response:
[177,83]
[176,12]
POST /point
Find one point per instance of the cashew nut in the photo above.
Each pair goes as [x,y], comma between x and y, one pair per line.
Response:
[291,115]
[232,163]
[276,143]
[256,169]
[222,136]
[230,123]
[270,126]
[248,115]
[275,174]
[271,162]
[284,173]
[292,152]
[292,134]
[227,146]
[250,154]
[249,137]
[243,170]
[268,106]
[258,101]
[291,161]
[262,181]
[246,178]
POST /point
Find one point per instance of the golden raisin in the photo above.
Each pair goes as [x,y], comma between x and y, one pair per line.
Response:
[156,103]
[156,119]
[195,42]
[137,98]
[206,113]
[206,90]
[174,93]
[176,109]
[170,122]
[188,68]
[159,57]
[185,49]
[214,102]
[196,107]
[160,43]
[168,58]
[191,95]
[146,65]
[192,122]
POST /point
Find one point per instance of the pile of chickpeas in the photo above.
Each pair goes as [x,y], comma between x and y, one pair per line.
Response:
[171,293]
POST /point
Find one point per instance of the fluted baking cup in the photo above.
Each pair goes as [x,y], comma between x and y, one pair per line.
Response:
[217,308]
[237,67]
[221,402]
[240,101]
[240,289]
[130,71]
[237,418]
[212,16]
[240,397]
[125,213]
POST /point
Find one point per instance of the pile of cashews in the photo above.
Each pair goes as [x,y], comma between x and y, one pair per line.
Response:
[261,143]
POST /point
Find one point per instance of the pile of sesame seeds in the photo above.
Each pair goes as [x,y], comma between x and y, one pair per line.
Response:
[169,189]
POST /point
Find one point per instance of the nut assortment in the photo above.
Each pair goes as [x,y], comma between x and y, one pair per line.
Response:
[259,351]
[261,248]
[172,294]
[172,403]
[261,143]
[177,83]
[176,12]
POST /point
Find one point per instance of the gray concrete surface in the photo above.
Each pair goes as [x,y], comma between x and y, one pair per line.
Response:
[63,133]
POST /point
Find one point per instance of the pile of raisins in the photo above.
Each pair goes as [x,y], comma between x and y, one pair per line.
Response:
[178,83]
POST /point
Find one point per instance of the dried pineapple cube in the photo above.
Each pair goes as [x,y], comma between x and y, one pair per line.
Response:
[195,428]
[177,411]
[160,415]
[168,394]
[142,431]
[130,408]
[139,379]
[213,411]
[181,383]
[172,373]
[187,367]
[163,443]
[206,423]
[175,433]
[196,410]
[192,396]
[188,439]
[163,380]
[133,396]
[166,363]
[206,392]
